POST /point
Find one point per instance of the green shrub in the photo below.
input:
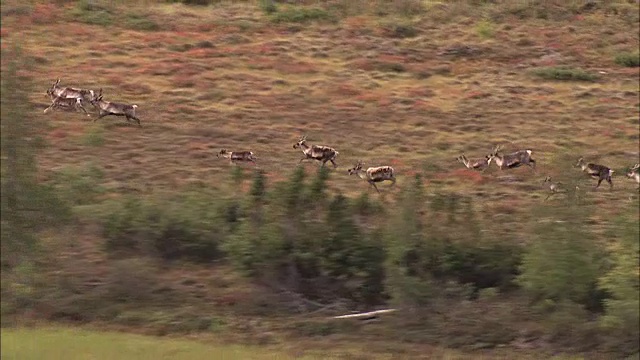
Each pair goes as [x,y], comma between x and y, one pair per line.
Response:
[79,185]
[268,6]
[92,13]
[485,29]
[562,262]
[140,22]
[185,226]
[628,59]
[564,73]
[622,308]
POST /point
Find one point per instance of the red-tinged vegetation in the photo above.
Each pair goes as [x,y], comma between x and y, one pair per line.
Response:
[57,134]
[295,68]
[45,14]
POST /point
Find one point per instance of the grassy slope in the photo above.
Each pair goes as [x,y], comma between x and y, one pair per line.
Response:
[62,343]
[259,86]
[66,343]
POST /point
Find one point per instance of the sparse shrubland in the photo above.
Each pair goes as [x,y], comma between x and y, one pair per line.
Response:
[564,73]
[167,239]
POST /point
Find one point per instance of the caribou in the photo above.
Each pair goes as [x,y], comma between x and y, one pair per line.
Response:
[634,173]
[554,187]
[68,104]
[234,156]
[600,172]
[513,160]
[68,92]
[316,152]
[374,174]
[475,164]
[107,108]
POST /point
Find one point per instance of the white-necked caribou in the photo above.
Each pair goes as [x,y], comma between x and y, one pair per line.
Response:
[597,171]
[513,160]
[107,108]
[235,156]
[374,175]
[316,152]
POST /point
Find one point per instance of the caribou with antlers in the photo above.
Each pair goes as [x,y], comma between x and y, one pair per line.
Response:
[600,172]
[374,174]
[107,108]
[68,104]
[235,156]
[316,152]
[513,160]
[56,90]
[634,173]
[475,164]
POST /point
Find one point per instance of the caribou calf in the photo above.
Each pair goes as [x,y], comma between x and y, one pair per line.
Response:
[600,172]
[316,152]
[68,104]
[634,173]
[374,174]
[513,160]
[554,187]
[107,108]
[475,164]
[234,156]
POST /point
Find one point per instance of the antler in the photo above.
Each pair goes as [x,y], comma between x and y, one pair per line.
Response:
[635,167]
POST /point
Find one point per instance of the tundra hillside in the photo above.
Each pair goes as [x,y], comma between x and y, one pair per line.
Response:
[134,223]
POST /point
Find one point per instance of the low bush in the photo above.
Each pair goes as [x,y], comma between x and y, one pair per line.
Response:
[186,226]
[628,59]
[564,73]
[92,13]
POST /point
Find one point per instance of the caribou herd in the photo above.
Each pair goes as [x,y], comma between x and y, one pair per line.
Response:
[74,99]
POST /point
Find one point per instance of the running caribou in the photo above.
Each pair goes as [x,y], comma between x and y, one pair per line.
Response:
[234,156]
[634,173]
[475,164]
[374,174]
[86,95]
[316,152]
[68,104]
[107,108]
[513,160]
[597,171]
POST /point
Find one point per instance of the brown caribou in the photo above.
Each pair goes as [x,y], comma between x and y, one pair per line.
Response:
[67,92]
[234,156]
[600,172]
[513,160]
[475,164]
[634,173]
[107,108]
[68,104]
[374,174]
[554,187]
[316,152]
